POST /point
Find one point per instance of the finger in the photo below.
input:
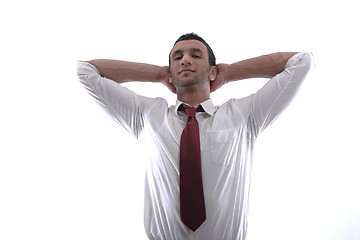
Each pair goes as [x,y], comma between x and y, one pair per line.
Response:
[214,86]
[171,87]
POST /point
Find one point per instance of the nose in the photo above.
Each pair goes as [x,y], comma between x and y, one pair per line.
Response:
[186,60]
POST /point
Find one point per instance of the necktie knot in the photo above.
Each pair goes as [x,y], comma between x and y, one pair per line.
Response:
[190,111]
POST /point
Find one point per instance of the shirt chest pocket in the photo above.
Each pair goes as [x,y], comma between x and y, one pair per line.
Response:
[221,146]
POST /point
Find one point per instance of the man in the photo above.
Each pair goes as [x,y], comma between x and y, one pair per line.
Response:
[226,133]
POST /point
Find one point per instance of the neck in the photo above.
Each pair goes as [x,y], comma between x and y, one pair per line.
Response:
[193,96]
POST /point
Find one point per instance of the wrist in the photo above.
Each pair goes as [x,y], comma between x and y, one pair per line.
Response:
[231,73]
[163,74]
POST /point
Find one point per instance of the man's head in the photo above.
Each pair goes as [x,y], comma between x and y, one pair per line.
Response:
[192,62]
[194,36]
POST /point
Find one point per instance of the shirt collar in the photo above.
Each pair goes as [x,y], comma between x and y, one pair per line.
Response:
[207,105]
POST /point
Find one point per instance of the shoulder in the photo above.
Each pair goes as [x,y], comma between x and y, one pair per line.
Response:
[236,108]
[153,106]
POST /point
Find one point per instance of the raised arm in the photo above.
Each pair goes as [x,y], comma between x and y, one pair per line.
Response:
[123,71]
[265,66]
[287,72]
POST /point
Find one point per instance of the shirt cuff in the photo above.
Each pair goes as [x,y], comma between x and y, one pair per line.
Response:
[299,57]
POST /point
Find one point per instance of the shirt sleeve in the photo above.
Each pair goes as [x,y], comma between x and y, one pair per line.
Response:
[277,93]
[125,106]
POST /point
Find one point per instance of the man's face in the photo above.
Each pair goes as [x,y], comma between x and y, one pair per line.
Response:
[190,64]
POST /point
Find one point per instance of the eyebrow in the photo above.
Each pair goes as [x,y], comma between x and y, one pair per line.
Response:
[191,49]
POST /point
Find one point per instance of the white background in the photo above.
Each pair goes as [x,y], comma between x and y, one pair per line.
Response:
[66,169]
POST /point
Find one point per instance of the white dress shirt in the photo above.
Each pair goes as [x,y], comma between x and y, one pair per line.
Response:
[227,136]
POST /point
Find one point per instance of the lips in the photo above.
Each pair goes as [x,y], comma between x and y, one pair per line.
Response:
[186,70]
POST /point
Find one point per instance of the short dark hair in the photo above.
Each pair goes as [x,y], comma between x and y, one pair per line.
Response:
[194,36]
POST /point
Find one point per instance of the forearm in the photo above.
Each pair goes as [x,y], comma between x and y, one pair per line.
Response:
[122,71]
[265,66]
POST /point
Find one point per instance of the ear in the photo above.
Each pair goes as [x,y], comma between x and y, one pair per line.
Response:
[213,73]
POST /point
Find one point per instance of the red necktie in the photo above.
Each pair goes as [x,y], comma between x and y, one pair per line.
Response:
[192,204]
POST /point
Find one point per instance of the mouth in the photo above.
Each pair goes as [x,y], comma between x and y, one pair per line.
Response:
[186,70]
